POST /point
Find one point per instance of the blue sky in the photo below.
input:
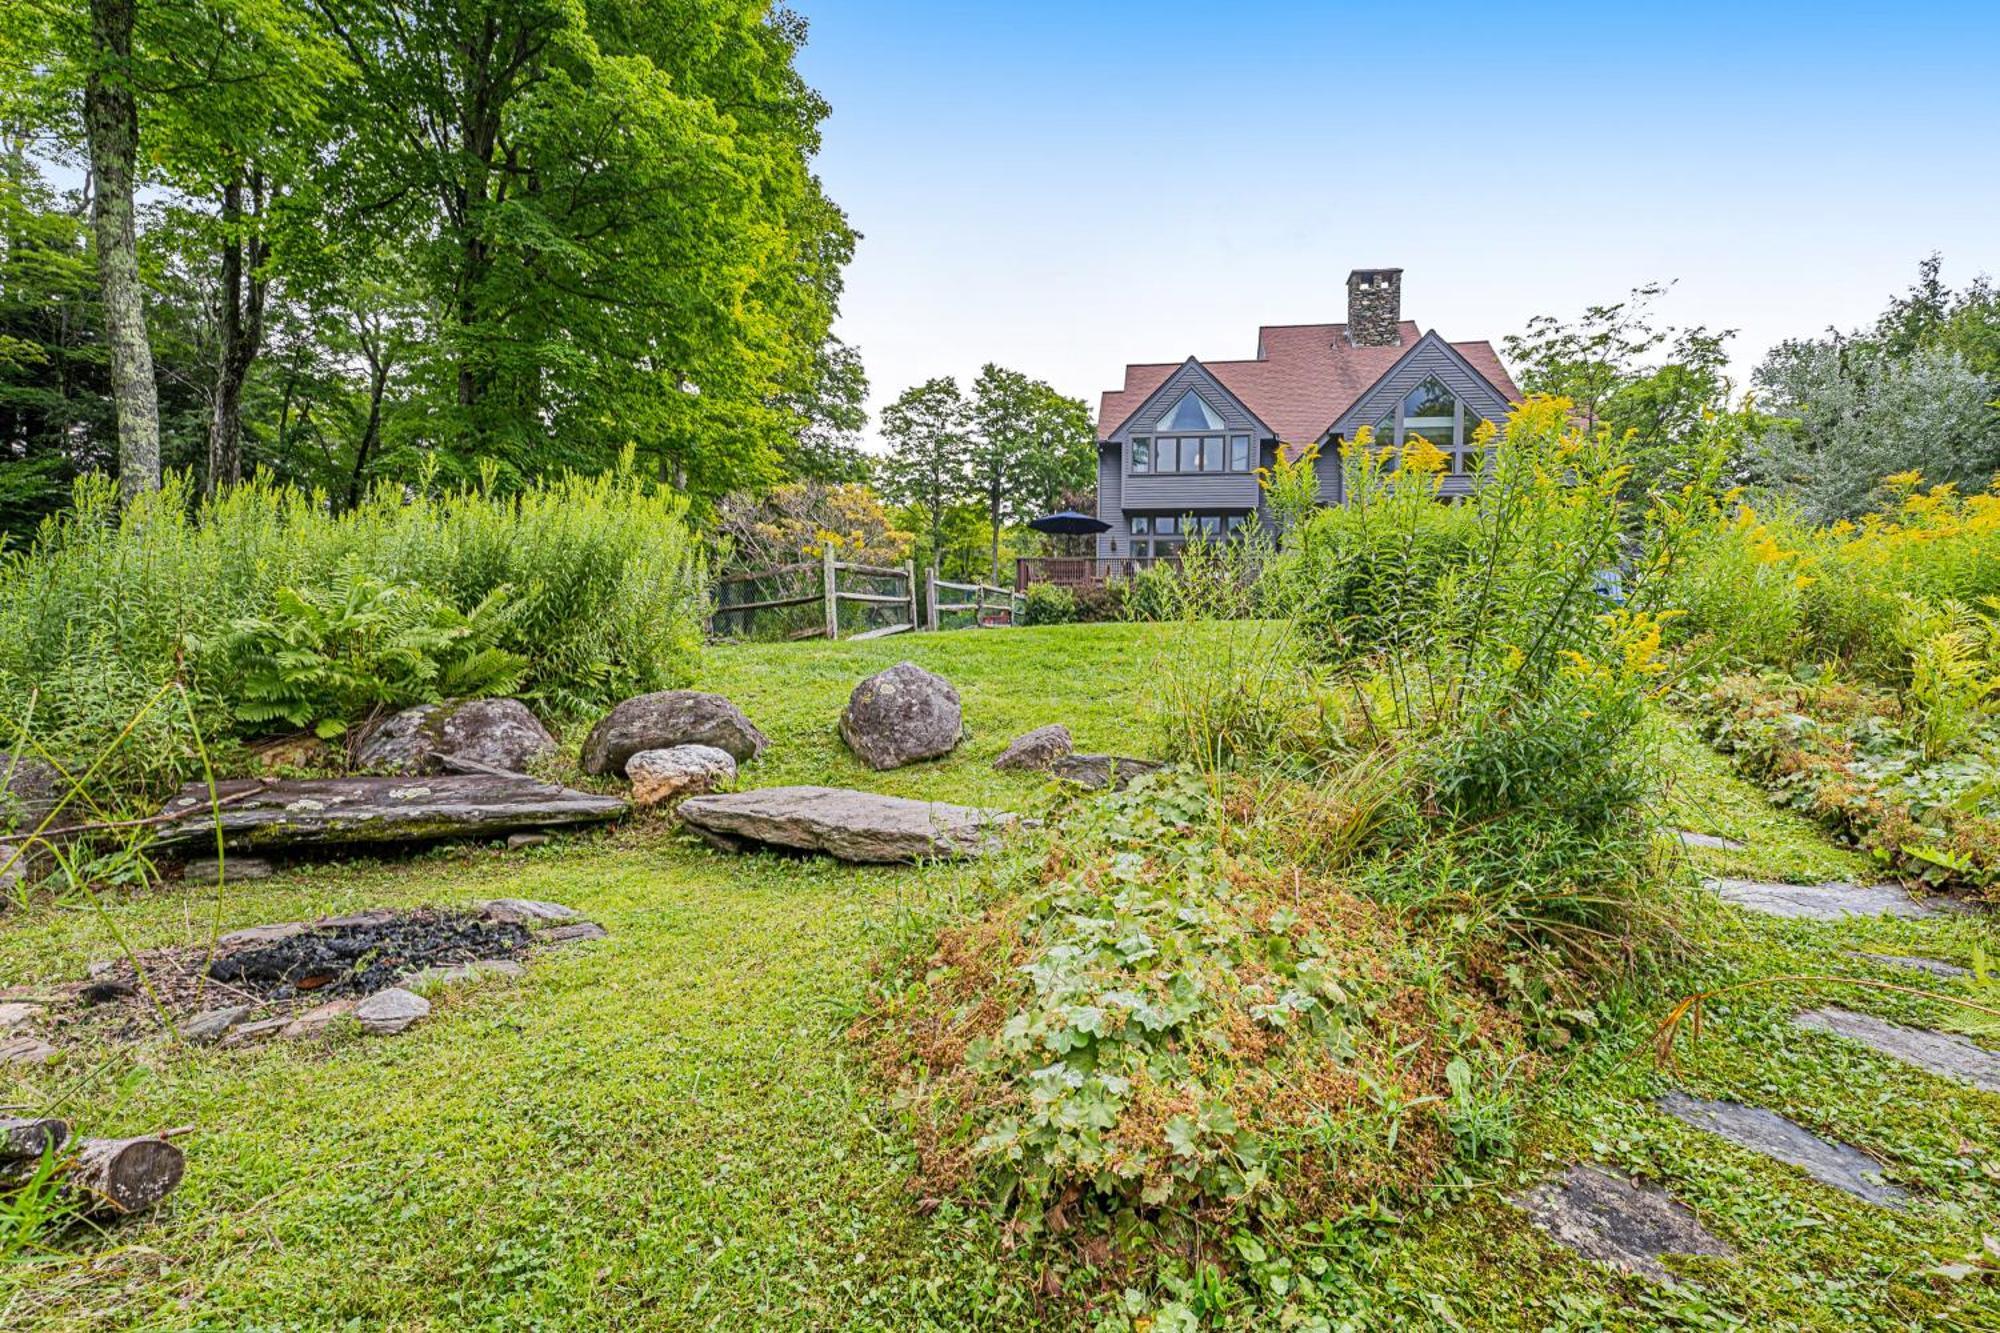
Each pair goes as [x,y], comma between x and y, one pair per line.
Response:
[1063,188]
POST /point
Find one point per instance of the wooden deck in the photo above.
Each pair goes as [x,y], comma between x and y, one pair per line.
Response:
[1074,571]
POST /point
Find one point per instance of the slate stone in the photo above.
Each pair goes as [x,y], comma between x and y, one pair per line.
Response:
[1710,841]
[1608,1218]
[25,1050]
[1828,902]
[850,825]
[232,870]
[522,911]
[258,936]
[661,777]
[1037,749]
[1930,965]
[582,930]
[902,715]
[387,1012]
[1098,771]
[249,1034]
[212,1026]
[313,1022]
[517,842]
[1836,1164]
[1941,1053]
[667,718]
[17,1015]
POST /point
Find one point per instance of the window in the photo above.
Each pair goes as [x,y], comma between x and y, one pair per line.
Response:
[1434,412]
[1192,453]
[1161,536]
[1190,413]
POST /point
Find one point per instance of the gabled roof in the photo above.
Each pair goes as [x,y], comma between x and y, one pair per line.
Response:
[1305,376]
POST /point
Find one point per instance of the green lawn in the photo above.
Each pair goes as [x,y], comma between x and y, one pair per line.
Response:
[667,1128]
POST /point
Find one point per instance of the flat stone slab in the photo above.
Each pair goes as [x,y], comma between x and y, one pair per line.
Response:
[387,1012]
[1608,1218]
[235,868]
[1942,1053]
[1837,1164]
[24,1050]
[523,911]
[1930,965]
[1827,902]
[854,826]
[1710,841]
[256,813]
[213,1025]
[17,1015]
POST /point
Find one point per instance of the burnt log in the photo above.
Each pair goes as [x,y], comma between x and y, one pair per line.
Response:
[334,811]
[27,1140]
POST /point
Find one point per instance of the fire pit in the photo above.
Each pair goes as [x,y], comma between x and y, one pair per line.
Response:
[359,956]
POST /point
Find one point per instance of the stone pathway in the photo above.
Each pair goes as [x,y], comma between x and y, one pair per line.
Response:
[1930,965]
[1710,841]
[1608,1218]
[1828,902]
[1935,1052]
[1836,1164]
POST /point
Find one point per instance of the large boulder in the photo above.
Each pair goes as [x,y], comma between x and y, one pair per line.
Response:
[665,719]
[490,733]
[900,716]
[661,777]
[1037,749]
[850,825]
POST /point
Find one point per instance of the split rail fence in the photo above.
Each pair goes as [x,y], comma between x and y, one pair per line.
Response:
[834,599]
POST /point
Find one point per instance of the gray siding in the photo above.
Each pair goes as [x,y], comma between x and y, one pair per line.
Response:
[1109,504]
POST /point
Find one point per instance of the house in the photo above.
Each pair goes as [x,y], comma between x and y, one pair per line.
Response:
[1179,445]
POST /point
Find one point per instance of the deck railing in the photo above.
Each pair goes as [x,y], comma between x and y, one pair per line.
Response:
[1079,570]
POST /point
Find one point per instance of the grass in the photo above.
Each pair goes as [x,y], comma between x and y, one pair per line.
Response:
[666,1129]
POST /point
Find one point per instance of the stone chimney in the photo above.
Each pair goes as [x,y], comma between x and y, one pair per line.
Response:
[1374,306]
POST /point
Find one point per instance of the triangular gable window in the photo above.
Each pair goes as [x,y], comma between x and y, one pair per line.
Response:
[1190,413]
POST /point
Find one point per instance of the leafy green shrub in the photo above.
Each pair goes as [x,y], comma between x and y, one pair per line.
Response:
[1049,604]
[1096,602]
[109,604]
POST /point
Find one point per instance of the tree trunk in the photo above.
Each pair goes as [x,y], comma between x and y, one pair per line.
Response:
[111,123]
[241,327]
[371,434]
[124,1176]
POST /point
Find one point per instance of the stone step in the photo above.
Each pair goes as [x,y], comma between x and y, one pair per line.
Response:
[1939,1053]
[1930,965]
[1837,1164]
[1605,1217]
[1710,841]
[1828,902]
[849,825]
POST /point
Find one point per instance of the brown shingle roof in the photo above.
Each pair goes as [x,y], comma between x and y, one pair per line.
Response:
[1304,377]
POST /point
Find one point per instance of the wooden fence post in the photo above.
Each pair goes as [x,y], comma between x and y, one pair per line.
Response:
[930,599]
[831,591]
[910,566]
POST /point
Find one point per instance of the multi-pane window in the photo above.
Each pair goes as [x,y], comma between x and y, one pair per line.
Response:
[1160,536]
[1191,453]
[1434,412]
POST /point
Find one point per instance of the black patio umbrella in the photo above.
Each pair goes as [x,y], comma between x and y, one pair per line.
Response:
[1069,523]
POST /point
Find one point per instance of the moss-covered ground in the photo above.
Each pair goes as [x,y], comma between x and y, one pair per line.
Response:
[668,1129]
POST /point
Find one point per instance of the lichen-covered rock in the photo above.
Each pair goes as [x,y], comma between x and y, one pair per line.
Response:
[1037,749]
[666,719]
[900,716]
[494,733]
[522,911]
[661,777]
[26,785]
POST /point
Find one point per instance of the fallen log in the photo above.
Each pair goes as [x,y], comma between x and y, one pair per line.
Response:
[27,1140]
[105,1177]
[335,811]
[124,1176]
